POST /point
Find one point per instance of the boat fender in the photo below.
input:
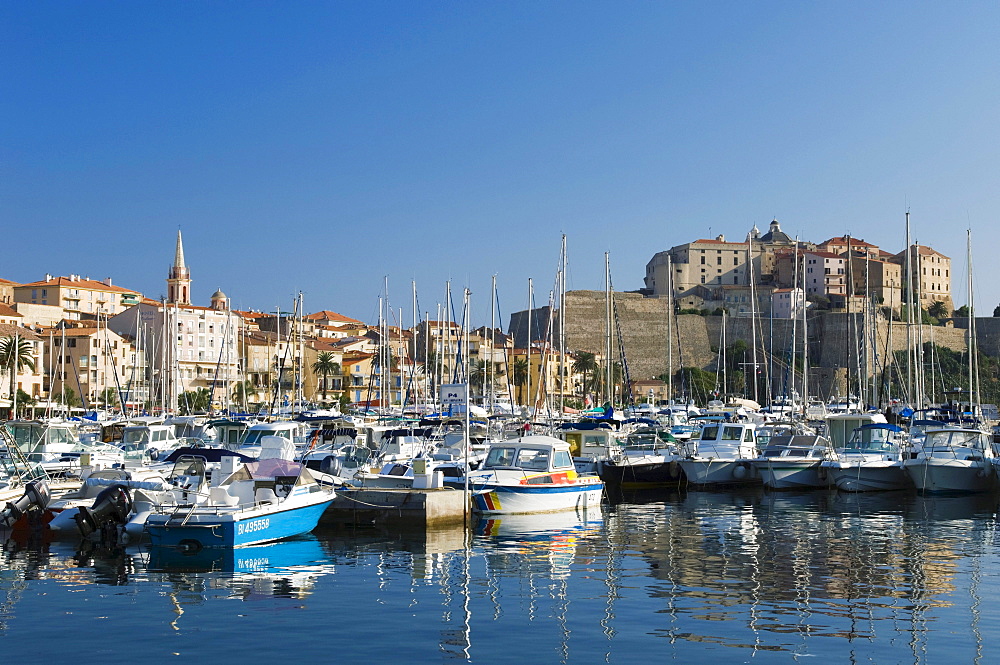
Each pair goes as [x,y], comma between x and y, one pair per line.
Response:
[152,453]
[674,470]
[741,471]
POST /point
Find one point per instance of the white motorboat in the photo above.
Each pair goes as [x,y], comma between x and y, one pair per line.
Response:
[871,461]
[953,460]
[792,461]
[720,454]
[533,474]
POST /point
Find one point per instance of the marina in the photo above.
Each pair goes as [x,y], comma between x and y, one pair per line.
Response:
[744,575]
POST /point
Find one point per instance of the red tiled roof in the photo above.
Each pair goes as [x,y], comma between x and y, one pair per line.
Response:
[81,283]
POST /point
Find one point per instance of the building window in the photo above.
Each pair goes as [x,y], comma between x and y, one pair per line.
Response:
[720,260]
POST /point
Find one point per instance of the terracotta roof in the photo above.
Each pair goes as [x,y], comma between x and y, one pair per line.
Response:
[844,240]
[327,315]
[81,283]
[825,255]
[7,310]
[8,281]
[9,330]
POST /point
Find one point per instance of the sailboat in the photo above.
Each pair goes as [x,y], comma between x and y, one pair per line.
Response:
[957,459]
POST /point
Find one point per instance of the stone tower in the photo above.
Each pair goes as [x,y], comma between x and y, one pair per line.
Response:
[179,279]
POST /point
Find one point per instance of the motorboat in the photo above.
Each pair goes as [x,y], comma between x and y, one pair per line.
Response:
[269,499]
[590,444]
[871,461]
[953,460]
[721,454]
[533,474]
[793,461]
[649,458]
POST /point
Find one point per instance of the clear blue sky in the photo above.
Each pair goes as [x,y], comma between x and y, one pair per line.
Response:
[322,146]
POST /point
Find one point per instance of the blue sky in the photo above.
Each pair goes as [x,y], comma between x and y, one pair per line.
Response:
[323,147]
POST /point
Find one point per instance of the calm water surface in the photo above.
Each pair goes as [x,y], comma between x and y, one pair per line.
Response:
[696,577]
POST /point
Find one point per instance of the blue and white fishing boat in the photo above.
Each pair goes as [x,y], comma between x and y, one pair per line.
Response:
[257,502]
[533,474]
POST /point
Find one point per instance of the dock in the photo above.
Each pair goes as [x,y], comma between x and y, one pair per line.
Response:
[403,507]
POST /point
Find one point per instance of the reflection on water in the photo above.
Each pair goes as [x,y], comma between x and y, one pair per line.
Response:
[769,575]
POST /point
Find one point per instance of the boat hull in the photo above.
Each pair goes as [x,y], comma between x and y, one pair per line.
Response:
[780,474]
[502,499]
[951,476]
[637,474]
[869,476]
[240,528]
[719,472]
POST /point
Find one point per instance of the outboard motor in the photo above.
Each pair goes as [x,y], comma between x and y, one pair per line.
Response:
[112,509]
[36,493]
[332,465]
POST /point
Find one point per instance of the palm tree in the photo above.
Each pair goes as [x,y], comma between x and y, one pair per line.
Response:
[325,365]
[69,397]
[938,309]
[585,364]
[519,375]
[483,371]
[109,396]
[194,401]
[244,390]
[15,355]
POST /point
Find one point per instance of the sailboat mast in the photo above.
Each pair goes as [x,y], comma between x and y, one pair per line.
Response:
[530,297]
[670,340]
[909,311]
[607,323]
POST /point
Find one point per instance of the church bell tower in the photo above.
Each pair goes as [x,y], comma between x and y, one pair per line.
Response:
[179,279]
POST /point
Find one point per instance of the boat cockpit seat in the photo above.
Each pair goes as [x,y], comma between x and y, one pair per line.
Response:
[221,496]
[265,495]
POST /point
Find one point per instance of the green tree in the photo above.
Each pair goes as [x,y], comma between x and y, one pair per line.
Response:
[484,372]
[195,401]
[962,312]
[938,309]
[697,382]
[69,397]
[243,391]
[996,311]
[109,397]
[519,376]
[325,365]
[585,364]
[15,355]
[24,402]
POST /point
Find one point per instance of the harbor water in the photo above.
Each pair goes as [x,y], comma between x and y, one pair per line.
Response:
[741,576]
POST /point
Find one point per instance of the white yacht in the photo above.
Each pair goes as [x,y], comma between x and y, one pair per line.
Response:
[720,454]
[954,461]
[871,461]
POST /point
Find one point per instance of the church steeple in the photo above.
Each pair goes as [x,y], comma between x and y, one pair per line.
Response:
[179,279]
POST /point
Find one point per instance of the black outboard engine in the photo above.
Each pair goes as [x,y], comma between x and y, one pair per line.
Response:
[112,509]
[36,493]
